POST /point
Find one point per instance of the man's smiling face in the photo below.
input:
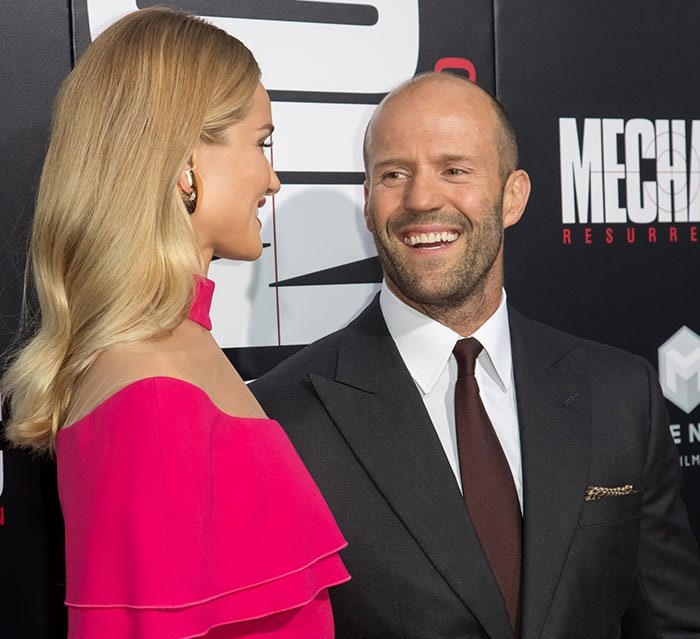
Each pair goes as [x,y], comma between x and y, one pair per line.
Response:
[434,191]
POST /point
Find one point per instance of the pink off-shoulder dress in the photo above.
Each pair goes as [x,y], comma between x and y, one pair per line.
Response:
[184,521]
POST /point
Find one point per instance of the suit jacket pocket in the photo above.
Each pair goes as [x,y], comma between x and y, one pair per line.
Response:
[610,510]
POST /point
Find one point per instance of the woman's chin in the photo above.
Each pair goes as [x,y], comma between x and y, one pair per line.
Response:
[239,254]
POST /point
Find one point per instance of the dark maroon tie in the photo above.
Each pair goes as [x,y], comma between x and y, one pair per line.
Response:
[487,483]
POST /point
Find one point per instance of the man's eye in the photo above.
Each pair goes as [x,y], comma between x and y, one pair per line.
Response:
[393,175]
[455,171]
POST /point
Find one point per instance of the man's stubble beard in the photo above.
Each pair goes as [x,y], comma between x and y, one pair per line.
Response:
[437,289]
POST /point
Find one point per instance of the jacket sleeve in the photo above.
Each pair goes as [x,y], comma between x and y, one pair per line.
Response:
[666,595]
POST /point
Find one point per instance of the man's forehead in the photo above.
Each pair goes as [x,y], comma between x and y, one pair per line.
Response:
[432,100]
[439,118]
[388,157]
[434,103]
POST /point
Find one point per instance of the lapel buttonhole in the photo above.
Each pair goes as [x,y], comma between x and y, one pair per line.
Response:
[571,399]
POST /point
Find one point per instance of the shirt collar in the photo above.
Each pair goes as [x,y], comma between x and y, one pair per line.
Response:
[425,345]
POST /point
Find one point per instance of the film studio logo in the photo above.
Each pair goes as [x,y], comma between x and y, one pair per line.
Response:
[679,369]
[631,181]
[679,374]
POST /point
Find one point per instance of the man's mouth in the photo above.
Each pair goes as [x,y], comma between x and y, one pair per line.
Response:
[439,238]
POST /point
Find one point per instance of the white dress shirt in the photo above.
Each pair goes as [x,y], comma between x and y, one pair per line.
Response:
[426,348]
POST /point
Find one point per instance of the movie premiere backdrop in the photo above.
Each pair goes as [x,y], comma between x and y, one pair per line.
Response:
[607,109]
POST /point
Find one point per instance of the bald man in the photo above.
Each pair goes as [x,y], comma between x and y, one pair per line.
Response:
[494,477]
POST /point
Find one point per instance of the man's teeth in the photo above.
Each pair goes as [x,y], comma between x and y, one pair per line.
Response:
[430,238]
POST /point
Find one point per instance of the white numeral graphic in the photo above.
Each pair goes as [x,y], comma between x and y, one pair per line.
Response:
[318,227]
[319,137]
[305,56]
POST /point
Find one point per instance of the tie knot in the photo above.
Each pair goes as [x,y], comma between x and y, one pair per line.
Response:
[466,351]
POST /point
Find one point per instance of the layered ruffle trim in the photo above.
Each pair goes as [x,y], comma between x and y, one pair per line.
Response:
[275,605]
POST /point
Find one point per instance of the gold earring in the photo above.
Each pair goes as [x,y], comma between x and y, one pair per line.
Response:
[189,199]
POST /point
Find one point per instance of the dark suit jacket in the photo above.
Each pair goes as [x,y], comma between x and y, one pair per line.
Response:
[624,566]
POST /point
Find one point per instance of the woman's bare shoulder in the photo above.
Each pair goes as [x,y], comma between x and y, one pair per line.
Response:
[188,354]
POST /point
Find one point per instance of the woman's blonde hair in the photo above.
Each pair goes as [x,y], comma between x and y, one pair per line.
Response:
[113,251]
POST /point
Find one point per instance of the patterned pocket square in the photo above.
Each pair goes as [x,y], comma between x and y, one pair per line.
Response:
[594,493]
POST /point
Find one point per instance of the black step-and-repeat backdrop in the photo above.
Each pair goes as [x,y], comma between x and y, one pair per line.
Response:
[35,56]
[603,102]
[608,116]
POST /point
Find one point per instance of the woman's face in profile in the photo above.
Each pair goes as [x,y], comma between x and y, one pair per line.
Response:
[233,178]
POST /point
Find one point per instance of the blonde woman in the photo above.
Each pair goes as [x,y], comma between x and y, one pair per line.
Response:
[187,512]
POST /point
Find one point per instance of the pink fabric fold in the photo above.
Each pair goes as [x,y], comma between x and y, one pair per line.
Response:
[181,518]
[201,305]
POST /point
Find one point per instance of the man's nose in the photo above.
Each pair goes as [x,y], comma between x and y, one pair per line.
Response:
[423,193]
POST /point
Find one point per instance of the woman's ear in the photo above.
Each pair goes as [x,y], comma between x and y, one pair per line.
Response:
[187,187]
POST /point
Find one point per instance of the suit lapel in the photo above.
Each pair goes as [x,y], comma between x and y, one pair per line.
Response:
[379,412]
[554,417]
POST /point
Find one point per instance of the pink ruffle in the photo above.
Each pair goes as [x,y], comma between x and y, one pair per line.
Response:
[230,616]
[181,518]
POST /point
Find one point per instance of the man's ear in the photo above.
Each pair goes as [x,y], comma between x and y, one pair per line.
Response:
[515,195]
[365,188]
